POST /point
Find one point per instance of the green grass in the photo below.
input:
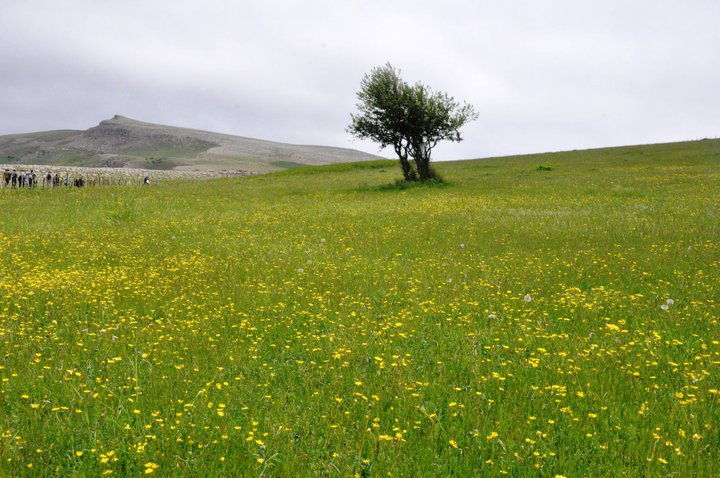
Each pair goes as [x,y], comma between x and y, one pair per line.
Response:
[380,164]
[322,321]
[186,151]
[54,135]
[287,164]
[18,145]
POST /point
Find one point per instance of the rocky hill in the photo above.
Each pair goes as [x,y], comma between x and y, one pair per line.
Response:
[122,142]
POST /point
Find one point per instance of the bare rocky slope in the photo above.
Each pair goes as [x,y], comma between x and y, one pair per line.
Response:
[126,143]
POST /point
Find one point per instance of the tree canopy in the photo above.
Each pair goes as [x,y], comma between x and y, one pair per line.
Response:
[410,118]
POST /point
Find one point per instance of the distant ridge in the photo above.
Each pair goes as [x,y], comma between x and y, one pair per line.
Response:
[124,142]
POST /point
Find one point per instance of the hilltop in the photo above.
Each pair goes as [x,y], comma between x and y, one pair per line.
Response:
[122,142]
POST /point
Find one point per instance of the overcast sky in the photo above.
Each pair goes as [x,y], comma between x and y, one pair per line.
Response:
[545,75]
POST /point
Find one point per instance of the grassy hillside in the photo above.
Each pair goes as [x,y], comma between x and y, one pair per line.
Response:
[122,142]
[536,316]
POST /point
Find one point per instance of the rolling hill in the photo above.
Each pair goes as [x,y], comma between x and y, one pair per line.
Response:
[123,142]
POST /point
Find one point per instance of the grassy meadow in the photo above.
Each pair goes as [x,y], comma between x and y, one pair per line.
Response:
[546,315]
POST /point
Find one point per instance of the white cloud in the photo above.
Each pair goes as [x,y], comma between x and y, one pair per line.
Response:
[544,75]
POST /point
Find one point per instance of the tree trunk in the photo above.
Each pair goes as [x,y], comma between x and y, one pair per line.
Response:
[423,167]
[408,170]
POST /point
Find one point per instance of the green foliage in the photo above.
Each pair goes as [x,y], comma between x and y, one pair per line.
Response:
[294,324]
[411,119]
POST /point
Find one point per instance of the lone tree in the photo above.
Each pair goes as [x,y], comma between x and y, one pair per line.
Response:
[411,119]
